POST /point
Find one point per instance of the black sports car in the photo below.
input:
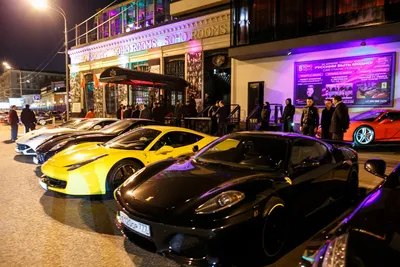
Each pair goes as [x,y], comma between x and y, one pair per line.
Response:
[243,186]
[367,235]
[53,146]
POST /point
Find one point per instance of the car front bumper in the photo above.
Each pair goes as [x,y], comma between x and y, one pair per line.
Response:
[25,150]
[192,245]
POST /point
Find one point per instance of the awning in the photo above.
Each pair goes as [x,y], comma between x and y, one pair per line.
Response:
[127,76]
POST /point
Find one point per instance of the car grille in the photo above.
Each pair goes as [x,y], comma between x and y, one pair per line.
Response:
[54,182]
[22,147]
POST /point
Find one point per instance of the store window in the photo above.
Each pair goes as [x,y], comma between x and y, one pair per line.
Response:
[111,98]
[105,25]
[115,23]
[130,17]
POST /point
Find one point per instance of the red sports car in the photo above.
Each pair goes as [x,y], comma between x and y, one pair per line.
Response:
[373,125]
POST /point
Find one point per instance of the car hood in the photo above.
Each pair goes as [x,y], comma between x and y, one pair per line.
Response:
[26,137]
[187,184]
[78,153]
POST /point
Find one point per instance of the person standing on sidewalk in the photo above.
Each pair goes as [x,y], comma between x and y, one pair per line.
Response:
[28,118]
[326,119]
[90,114]
[309,118]
[340,119]
[13,120]
[288,115]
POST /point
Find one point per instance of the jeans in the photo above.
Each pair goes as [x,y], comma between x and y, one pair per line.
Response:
[308,130]
[337,136]
[14,131]
[325,134]
[178,122]
[223,128]
[29,127]
[287,126]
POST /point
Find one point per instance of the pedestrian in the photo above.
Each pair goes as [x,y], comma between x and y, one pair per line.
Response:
[222,115]
[145,112]
[158,113]
[212,112]
[90,114]
[136,112]
[128,112]
[82,114]
[120,112]
[340,119]
[13,120]
[326,118]
[265,117]
[207,101]
[192,107]
[309,118]
[178,114]
[288,115]
[28,118]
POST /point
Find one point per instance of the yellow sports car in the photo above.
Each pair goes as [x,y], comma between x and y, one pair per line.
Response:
[94,169]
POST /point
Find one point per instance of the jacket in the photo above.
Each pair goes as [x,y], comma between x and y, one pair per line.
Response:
[158,114]
[145,114]
[326,118]
[28,116]
[288,113]
[90,115]
[13,117]
[223,113]
[309,116]
[340,119]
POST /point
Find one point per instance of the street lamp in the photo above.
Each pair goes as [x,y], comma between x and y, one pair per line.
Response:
[7,66]
[42,4]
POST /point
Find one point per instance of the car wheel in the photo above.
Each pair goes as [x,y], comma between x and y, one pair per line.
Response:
[274,229]
[120,172]
[364,135]
[352,185]
[42,122]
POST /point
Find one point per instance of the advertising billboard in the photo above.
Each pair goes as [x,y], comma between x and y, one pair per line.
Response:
[361,81]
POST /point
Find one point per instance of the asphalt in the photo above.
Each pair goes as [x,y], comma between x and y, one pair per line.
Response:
[38,228]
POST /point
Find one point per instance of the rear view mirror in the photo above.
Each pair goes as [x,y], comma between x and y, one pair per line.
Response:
[195,148]
[164,150]
[376,167]
[97,127]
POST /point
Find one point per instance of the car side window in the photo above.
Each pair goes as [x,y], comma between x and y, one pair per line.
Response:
[394,116]
[176,139]
[303,150]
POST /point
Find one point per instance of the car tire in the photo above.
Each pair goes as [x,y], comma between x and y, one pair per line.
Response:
[352,190]
[274,229]
[121,171]
[364,135]
[42,122]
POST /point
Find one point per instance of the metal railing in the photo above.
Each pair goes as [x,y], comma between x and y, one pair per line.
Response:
[253,119]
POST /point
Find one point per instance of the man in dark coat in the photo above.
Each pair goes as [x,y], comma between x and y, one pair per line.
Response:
[128,112]
[136,112]
[178,114]
[309,118]
[212,113]
[288,115]
[145,112]
[326,119]
[265,117]
[13,120]
[340,119]
[120,112]
[28,118]
[222,115]
[158,113]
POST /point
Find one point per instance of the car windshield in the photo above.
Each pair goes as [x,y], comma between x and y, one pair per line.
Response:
[85,125]
[70,123]
[135,140]
[367,116]
[259,153]
[117,127]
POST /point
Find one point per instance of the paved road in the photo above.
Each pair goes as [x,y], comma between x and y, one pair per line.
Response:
[39,229]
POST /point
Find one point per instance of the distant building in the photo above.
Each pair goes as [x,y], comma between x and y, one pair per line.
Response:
[53,96]
[32,82]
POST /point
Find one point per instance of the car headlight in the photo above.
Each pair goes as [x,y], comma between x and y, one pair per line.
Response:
[220,202]
[133,176]
[58,146]
[335,254]
[78,165]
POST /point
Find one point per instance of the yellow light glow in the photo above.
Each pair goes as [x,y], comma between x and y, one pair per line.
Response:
[41,4]
[5,64]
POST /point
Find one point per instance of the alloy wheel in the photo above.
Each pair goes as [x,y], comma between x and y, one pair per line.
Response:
[274,233]
[122,173]
[364,135]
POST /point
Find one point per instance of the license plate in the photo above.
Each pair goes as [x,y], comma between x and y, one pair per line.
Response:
[136,226]
[42,184]
[35,160]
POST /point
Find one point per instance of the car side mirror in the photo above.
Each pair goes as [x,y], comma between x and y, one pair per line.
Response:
[164,150]
[97,127]
[337,155]
[376,167]
[195,148]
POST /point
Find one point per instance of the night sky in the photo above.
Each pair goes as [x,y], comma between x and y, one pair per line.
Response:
[28,36]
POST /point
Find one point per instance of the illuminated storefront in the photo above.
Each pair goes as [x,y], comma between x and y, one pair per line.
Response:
[142,41]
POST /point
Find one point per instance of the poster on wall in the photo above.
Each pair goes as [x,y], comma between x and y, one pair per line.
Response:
[361,81]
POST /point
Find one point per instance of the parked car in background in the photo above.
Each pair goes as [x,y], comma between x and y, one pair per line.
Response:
[28,143]
[241,190]
[55,145]
[96,169]
[374,126]
[368,235]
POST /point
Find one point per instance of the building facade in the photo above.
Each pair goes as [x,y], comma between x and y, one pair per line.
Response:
[32,82]
[178,39]
[295,49]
